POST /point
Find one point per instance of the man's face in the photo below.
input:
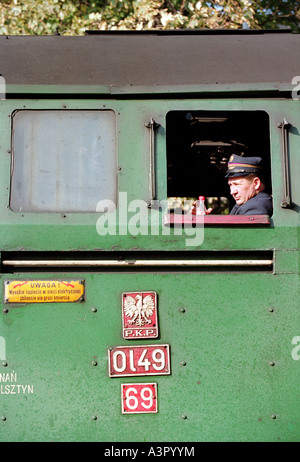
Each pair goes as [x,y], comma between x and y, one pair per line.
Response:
[242,188]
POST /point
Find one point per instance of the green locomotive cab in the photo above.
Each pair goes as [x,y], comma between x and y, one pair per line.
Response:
[122,310]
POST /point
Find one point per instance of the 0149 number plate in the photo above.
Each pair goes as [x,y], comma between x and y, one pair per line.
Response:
[125,361]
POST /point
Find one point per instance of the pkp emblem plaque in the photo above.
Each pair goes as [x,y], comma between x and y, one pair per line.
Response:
[139,315]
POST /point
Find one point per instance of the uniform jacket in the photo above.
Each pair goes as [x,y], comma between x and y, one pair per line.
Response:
[261,204]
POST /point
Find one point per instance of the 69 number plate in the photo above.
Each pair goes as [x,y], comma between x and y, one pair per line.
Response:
[126,361]
[138,398]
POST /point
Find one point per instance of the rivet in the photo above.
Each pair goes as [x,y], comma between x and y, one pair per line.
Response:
[182,310]
[4,363]
[271,363]
[183,363]
[94,310]
[273,416]
[94,363]
[5,310]
[3,418]
[94,417]
[184,416]
[270,309]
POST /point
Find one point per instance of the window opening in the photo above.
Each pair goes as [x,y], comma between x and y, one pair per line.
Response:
[199,144]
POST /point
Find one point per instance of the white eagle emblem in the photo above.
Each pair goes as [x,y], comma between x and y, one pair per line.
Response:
[139,309]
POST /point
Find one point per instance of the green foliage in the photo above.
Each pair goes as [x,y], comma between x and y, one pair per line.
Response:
[73,17]
[285,13]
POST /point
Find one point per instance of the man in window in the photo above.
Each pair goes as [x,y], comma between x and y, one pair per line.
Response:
[247,187]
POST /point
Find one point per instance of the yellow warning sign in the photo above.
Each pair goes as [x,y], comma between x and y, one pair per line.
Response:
[43,291]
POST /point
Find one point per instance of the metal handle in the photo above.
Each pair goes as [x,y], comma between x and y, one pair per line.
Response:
[136,263]
[152,125]
[287,199]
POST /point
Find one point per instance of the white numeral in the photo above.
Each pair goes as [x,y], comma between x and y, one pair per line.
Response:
[131,398]
[144,363]
[160,360]
[147,398]
[123,361]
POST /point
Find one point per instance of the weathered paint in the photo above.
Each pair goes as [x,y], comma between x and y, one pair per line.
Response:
[222,343]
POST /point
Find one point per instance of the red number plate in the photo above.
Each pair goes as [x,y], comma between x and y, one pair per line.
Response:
[126,361]
[139,398]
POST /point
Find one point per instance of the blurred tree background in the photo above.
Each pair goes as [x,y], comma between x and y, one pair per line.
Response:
[74,17]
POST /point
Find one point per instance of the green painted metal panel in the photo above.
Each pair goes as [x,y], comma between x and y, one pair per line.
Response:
[75,231]
[233,375]
[234,345]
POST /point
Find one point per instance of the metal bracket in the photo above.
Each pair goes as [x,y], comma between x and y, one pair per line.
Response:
[152,125]
[287,199]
